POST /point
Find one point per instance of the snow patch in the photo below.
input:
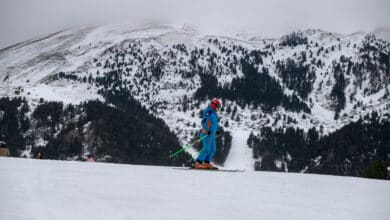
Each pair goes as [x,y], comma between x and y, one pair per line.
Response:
[240,155]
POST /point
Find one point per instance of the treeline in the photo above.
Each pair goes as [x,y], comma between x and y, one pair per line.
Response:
[294,39]
[297,76]
[256,88]
[338,90]
[13,123]
[119,130]
[373,64]
[354,150]
[133,133]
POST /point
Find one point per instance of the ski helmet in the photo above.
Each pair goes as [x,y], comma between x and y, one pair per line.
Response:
[215,103]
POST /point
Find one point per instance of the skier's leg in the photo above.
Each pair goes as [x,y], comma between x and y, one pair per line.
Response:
[211,155]
[213,149]
[206,149]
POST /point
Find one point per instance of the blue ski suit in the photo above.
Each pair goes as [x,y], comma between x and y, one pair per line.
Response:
[209,123]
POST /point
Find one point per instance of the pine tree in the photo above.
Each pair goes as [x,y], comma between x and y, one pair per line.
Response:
[377,170]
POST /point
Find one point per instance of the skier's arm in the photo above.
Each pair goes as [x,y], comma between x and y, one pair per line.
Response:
[204,124]
[206,120]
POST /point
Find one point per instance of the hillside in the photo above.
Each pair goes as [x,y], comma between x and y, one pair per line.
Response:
[310,82]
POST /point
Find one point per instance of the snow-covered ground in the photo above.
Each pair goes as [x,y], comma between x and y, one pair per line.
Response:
[240,155]
[38,189]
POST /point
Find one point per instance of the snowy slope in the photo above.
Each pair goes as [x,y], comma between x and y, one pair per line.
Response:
[29,64]
[28,70]
[32,189]
[240,156]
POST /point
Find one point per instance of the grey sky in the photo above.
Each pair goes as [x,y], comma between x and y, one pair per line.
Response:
[24,19]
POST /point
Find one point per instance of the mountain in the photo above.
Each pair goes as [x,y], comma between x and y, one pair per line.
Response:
[305,84]
[68,190]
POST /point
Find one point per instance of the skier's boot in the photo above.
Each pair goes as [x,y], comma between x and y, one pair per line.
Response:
[200,165]
[210,166]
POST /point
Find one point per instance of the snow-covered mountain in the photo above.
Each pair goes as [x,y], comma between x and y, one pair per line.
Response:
[44,189]
[323,80]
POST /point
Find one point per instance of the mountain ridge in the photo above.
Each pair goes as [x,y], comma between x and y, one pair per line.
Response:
[340,78]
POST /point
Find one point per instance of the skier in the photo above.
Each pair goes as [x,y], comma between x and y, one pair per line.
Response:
[209,128]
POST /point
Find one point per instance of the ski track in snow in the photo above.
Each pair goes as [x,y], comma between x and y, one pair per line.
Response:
[47,190]
[240,155]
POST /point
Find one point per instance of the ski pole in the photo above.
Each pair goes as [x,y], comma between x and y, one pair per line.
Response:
[183,148]
[198,153]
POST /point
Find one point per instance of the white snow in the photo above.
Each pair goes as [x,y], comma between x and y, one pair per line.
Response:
[39,189]
[240,155]
[66,92]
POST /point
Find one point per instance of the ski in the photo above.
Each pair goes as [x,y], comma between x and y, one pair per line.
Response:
[212,170]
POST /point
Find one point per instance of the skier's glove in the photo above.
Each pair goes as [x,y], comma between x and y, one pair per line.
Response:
[209,133]
[219,132]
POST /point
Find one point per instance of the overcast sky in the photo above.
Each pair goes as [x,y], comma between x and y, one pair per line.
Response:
[24,19]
